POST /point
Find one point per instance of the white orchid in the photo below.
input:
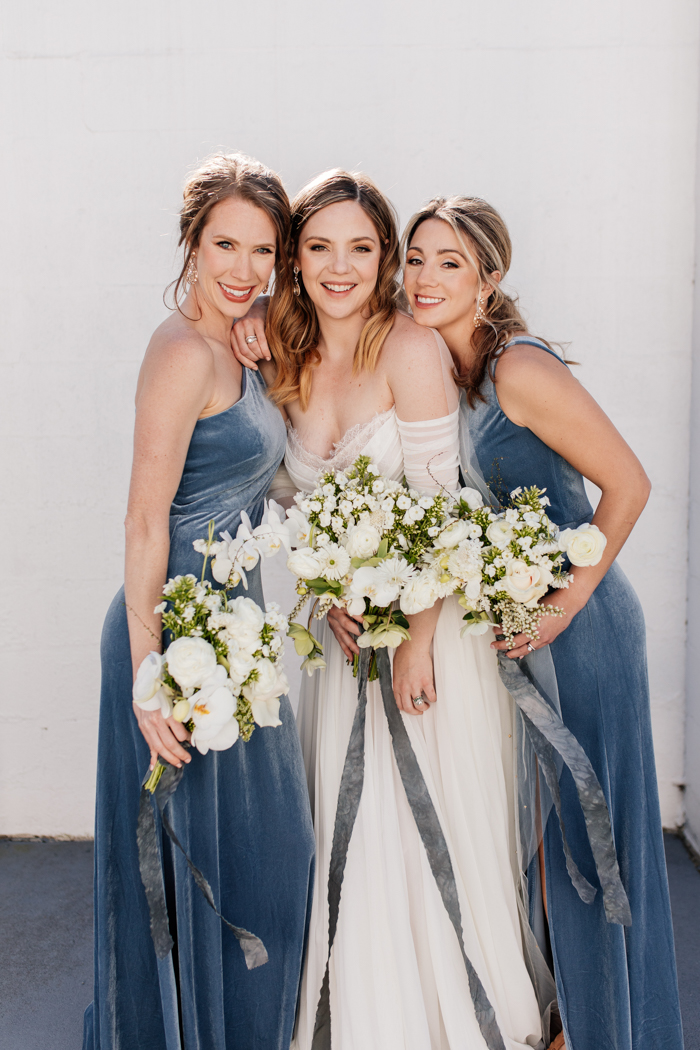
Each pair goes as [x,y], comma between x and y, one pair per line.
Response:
[213,709]
[149,691]
[274,532]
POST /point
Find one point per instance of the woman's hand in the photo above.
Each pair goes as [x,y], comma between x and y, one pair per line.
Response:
[550,627]
[162,736]
[345,628]
[413,676]
[248,340]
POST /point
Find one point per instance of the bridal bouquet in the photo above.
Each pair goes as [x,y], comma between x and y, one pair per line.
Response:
[359,537]
[501,564]
[221,674]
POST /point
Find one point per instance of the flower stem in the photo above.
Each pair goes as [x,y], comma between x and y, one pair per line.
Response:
[152,782]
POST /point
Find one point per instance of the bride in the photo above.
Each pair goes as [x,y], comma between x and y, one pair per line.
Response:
[355,377]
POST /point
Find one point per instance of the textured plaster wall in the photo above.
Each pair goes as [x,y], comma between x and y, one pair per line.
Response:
[577,121]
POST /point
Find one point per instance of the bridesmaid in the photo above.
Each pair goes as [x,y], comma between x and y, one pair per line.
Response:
[207,443]
[529,422]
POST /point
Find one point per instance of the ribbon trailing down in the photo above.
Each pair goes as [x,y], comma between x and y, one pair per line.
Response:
[152,872]
[431,834]
[547,734]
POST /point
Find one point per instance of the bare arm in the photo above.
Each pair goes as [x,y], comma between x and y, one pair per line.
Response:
[175,385]
[252,327]
[538,392]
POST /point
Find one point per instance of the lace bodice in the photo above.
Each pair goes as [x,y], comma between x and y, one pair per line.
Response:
[425,452]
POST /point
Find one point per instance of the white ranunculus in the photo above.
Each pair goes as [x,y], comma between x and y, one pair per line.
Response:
[500,532]
[240,666]
[190,660]
[421,593]
[472,497]
[362,541]
[212,710]
[456,532]
[525,583]
[584,545]
[264,692]
[307,563]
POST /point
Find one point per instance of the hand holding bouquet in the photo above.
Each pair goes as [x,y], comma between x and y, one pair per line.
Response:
[359,537]
[501,564]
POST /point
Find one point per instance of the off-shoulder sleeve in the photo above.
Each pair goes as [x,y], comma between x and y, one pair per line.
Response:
[431,446]
[431,453]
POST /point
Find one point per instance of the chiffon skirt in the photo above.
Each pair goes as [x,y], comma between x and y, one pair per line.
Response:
[397,978]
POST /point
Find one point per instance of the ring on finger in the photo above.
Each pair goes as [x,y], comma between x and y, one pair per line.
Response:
[530,647]
[418,701]
[251,339]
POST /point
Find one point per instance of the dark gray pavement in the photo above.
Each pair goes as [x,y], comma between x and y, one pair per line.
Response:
[46,942]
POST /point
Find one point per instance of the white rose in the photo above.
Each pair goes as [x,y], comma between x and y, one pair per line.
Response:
[189,661]
[307,563]
[525,583]
[472,497]
[264,693]
[240,666]
[455,533]
[212,711]
[362,541]
[149,691]
[500,532]
[584,545]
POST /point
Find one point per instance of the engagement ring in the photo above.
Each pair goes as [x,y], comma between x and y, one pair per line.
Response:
[530,647]
[419,700]
[251,339]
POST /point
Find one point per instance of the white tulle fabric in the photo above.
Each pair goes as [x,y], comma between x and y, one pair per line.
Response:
[397,979]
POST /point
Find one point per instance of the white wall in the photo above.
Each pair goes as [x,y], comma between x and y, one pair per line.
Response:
[692,741]
[578,121]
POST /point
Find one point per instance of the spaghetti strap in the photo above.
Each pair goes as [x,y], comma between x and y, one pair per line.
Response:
[529,341]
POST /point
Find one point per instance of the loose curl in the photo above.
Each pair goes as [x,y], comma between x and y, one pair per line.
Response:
[292,330]
[231,175]
[486,242]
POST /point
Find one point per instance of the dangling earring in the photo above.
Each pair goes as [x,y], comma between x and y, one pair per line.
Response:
[479,315]
[264,291]
[191,275]
[297,286]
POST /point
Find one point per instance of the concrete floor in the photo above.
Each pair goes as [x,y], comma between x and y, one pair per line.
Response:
[46,942]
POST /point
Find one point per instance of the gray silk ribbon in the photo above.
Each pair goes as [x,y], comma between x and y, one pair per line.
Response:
[431,834]
[548,734]
[151,870]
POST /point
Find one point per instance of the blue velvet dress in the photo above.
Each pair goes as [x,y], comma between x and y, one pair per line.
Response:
[242,815]
[616,985]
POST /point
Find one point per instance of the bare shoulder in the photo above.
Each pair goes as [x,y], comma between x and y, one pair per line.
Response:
[409,345]
[524,367]
[178,364]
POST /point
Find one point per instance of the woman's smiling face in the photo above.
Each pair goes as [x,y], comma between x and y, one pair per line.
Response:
[339,255]
[235,256]
[441,284]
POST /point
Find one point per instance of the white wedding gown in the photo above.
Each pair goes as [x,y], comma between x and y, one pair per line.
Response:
[397,977]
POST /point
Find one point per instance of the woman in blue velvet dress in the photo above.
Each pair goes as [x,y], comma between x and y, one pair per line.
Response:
[207,444]
[526,421]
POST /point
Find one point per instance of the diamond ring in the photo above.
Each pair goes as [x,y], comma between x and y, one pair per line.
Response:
[251,339]
[530,648]
[419,700]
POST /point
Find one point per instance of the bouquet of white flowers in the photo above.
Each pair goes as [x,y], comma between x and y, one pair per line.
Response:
[221,674]
[501,564]
[359,537]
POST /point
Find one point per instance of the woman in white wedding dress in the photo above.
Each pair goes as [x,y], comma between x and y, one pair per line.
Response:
[356,377]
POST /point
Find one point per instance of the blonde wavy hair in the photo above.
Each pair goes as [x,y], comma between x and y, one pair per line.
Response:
[292,326]
[486,243]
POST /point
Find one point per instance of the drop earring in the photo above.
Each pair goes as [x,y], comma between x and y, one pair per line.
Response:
[191,275]
[265,289]
[479,315]
[297,286]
